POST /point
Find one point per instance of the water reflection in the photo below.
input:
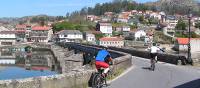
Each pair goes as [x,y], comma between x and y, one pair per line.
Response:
[20,64]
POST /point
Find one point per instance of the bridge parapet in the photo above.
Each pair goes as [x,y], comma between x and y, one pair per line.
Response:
[168,58]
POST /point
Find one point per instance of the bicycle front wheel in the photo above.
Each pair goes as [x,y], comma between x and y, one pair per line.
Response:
[97,81]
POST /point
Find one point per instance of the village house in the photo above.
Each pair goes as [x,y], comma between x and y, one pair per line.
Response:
[126,28]
[133,12]
[111,41]
[91,17]
[171,21]
[106,28]
[124,17]
[7,38]
[194,20]
[118,29]
[105,19]
[181,45]
[122,28]
[41,34]
[108,14]
[69,36]
[139,34]
[23,32]
[89,37]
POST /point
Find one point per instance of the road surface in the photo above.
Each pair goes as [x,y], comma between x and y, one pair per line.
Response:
[164,76]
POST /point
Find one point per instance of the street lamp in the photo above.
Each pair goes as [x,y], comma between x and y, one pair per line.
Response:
[189,36]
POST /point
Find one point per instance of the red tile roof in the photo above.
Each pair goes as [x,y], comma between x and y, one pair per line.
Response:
[20,26]
[111,39]
[184,41]
[41,28]
[105,24]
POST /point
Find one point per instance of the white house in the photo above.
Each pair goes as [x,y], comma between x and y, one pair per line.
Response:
[69,36]
[90,37]
[41,33]
[111,41]
[181,44]
[106,28]
[139,34]
[7,38]
[126,28]
[171,21]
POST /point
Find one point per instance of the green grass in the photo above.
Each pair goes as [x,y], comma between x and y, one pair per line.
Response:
[115,74]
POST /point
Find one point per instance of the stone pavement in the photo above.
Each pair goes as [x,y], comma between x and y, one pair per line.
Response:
[164,76]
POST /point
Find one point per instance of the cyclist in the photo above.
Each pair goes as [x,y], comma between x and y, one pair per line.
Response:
[154,52]
[103,59]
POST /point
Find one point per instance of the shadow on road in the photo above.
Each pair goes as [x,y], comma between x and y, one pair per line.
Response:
[191,84]
[148,68]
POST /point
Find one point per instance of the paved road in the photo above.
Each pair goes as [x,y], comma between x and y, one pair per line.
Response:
[164,76]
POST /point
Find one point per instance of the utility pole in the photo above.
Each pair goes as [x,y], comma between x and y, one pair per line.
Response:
[189,37]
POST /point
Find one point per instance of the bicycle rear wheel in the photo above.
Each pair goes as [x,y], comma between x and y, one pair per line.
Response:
[153,64]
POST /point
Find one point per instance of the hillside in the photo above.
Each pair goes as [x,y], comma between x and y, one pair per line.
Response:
[177,6]
[31,19]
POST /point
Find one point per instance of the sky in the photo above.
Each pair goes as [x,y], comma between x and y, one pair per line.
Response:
[19,8]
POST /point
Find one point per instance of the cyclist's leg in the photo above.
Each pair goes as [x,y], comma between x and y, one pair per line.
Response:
[151,59]
[156,57]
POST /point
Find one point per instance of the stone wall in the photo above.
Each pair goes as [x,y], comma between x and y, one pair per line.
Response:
[196,57]
[74,79]
[123,62]
[72,63]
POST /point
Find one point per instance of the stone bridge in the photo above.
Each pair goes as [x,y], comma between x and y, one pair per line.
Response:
[136,73]
[74,75]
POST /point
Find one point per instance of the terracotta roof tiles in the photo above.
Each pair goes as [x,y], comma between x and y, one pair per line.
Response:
[111,39]
[184,41]
[41,28]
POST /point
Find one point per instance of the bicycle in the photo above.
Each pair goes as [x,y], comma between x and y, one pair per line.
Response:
[98,79]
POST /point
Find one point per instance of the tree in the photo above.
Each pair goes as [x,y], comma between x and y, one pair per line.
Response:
[141,19]
[197,25]
[181,25]
[152,21]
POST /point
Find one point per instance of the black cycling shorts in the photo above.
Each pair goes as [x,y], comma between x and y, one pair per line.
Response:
[153,55]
